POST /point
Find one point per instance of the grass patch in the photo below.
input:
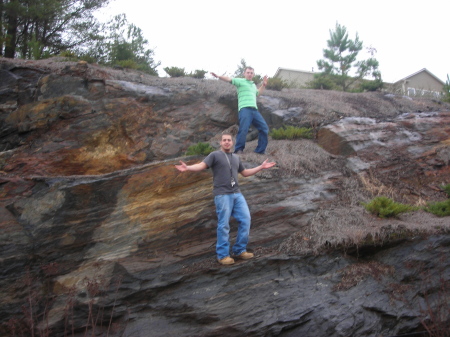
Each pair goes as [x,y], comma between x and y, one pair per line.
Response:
[291,132]
[387,208]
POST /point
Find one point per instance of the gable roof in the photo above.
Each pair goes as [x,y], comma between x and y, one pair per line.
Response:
[418,72]
[280,69]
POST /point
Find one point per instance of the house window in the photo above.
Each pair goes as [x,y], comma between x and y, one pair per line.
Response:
[411,92]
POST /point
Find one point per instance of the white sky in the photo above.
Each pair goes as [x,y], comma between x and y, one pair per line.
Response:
[215,35]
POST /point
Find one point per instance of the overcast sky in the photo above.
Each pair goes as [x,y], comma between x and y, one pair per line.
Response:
[216,35]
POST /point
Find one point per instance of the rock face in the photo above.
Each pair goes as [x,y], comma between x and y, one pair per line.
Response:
[100,233]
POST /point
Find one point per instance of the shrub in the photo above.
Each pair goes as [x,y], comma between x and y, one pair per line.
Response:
[440,208]
[276,84]
[198,74]
[257,79]
[69,54]
[175,71]
[367,85]
[323,81]
[129,64]
[199,149]
[386,208]
[291,132]
[446,189]
[88,58]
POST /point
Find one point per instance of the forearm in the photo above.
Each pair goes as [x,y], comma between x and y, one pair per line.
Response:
[263,85]
[224,78]
[196,167]
[251,171]
[261,89]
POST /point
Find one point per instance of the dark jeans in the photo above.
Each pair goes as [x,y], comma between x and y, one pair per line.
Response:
[248,116]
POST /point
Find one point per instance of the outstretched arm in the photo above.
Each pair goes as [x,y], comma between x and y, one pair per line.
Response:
[223,78]
[265,165]
[194,168]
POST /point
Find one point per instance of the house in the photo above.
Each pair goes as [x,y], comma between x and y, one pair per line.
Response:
[295,78]
[421,83]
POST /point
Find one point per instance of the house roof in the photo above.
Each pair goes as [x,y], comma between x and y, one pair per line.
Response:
[401,80]
[292,70]
[417,72]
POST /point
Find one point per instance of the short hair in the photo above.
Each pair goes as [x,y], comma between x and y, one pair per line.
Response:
[249,68]
[225,133]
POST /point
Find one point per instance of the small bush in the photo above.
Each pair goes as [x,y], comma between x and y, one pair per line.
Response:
[257,79]
[199,149]
[129,64]
[440,208]
[88,58]
[367,85]
[198,74]
[387,208]
[69,54]
[323,81]
[175,71]
[276,84]
[446,189]
[291,132]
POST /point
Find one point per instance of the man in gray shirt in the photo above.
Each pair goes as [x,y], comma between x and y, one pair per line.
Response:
[228,197]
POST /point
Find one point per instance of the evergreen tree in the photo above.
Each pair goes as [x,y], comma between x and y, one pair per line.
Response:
[341,57]
[122,44]
[39,28]
[240,69]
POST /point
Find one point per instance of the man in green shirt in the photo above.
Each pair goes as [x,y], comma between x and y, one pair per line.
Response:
[248,110]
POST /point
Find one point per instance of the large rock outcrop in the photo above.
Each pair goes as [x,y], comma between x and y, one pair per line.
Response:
[100,232]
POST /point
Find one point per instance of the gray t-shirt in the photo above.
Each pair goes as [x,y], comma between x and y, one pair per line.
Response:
[217,161]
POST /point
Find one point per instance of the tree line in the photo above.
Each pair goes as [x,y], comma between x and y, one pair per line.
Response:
[36,29]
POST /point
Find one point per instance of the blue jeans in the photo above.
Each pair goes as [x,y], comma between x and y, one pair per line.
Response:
[248,116]
[234,205]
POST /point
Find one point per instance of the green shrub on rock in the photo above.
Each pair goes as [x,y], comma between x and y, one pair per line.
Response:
[198,74]
[175,71]
[276,84]
[440,208]
[291,132]
[387,208]
[446,189]
[199,149]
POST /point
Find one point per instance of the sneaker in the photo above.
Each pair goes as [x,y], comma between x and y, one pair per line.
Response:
[226,260]
[245,256]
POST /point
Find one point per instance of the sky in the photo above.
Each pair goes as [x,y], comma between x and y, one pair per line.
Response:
[215,35]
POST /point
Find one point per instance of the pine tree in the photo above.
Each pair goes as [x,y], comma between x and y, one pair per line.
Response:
[38,28]
[122,44]
[341,57]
